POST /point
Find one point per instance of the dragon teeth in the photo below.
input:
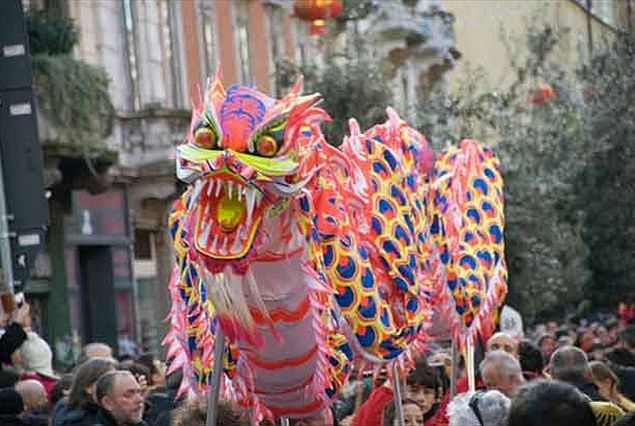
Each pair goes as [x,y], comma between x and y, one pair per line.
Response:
[224,244]
[210,187]
[236,246]
[215,243]
[251,200]
[205,235]
[218,188]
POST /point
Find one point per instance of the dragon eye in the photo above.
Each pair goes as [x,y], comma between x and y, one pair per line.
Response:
[205,138]
[266,146]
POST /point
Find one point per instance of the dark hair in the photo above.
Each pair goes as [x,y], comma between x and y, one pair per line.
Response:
[87,374]
[148,360]
[137,369]
[627,420]
[550,402]
[60,387]
[530,357]
[628,336]
[621,356]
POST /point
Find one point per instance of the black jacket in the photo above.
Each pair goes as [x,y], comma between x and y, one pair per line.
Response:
[11,340]
[78,417]
[105,419]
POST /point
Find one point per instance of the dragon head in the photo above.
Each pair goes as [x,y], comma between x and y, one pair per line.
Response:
[245,158]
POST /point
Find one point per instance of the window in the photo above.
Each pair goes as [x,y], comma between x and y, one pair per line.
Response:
[275,19]
[241,25]
[142,244]
[168,16]
[131,53]
[208,37]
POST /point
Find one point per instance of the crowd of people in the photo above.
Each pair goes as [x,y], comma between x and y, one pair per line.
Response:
[560,374]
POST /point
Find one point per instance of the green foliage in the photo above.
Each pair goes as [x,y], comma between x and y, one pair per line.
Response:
[543,143]
[73,96]
[350,89]
[606,186]
[50,34]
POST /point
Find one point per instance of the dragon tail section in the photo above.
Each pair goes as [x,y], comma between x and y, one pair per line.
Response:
[467,227]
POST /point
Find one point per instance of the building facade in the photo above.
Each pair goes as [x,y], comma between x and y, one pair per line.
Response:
[105,271]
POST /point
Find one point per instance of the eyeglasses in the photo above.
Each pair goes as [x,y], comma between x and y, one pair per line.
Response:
[473,404]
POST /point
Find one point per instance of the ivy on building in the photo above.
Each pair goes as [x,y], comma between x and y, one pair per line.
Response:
[72,95]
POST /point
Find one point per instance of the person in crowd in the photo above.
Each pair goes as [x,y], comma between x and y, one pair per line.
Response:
[11,338]
[606,413]
[480,408]
[120,400]
[371,412]
[570,364]
[194,413]
[504,342]
[36,404]
[608,385]
[140,371]
[412,414]
[530,359]
[11,407]
[61,389]
[94,350]
[163,402]
[627,338]
[550,402]
[500,370]
[37,362]
[81,407]
[547,345]
[156,379]
[622,363]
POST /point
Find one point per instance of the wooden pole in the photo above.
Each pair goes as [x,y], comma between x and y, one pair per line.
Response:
[214,393]
[396,386]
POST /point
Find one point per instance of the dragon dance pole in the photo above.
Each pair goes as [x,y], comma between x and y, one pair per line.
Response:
[455,368]
[396,385]
[214,393]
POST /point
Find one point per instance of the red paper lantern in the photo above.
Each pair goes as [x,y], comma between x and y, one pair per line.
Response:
[317,12]
[542,95]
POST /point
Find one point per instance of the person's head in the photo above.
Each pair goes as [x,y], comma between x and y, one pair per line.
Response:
[84,384]
[61,388]
[550,402]
[606,413]
[530,358]
[501,371]
[482,408]
[36,356]
[605,380]
[569,364]
[627,338]
[413,416]
[157,369]
[621,356]
[94,350]
[423,386]
[547,345]
[119,393]
[504,342]
[33,394]
[11,403]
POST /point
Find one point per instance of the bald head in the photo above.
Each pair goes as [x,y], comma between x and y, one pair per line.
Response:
[503,342]
[33,394]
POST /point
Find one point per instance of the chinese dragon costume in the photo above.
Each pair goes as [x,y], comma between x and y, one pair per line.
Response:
[314,259]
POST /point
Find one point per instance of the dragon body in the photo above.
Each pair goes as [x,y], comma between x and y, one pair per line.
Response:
[310,258]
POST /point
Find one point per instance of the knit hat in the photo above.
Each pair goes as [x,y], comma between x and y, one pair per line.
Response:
[606,413]
[11,402]
[37,356]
